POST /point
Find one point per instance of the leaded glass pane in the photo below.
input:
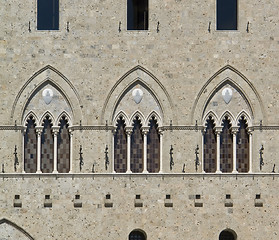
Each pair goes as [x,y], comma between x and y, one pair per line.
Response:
[210,147]
[153,147]
[30,147]
[242,147]
[63,147]
[226,147]
[136,147]
[47,147]
[120,147]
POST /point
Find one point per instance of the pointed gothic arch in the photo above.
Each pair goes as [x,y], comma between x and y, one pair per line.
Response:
[48,75]
[147,81]
[231,76]
[24,235]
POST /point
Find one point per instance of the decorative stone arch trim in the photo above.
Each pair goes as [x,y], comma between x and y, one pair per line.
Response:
[211,114]
[47,75]
[137,75]
[230,117]
[44,116]
[67,117]
[140,117]
[246,117]
[28,236]
[119,115]
[156,116]
[228,75]
[27,117]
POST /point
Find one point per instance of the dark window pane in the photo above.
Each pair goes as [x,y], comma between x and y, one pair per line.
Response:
[48,14]
[137,14]
[226,235]
[226,14]
[226,147]
[30,147]
[120,147]
[210,145]
[136,235]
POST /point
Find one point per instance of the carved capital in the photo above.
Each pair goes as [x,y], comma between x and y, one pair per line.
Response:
[129,130]
[55,129]
[39,130]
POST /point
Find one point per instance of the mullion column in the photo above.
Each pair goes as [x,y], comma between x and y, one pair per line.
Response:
[71,149]
[39,131]
[129,131]
[55,131]
[234,132]
[218,132]
[145,132]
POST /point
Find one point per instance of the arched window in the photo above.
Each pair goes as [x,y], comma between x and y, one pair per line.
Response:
[48,14]
[227,235]
[137,14]
[210,147]
[226,147]
[137,147]
[226,14]
[120,147]
[153,147]
[63,147]
[30,147]
[47,147]
[242,147]
[137,235]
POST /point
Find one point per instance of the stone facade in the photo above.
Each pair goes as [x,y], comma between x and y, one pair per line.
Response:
[180,74]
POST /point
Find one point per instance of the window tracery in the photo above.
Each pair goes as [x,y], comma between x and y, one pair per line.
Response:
[137,144]
[47,148]
[227,148]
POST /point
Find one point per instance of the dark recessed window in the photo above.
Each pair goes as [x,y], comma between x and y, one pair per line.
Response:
[226,14]
[228,196]
[198,196]
[137,196]
[168,196]
[227,235]
[77,197]
[47,196]
[258,196]
[137,235]
[108,196]
[48,14]
[137,14]
[17,196]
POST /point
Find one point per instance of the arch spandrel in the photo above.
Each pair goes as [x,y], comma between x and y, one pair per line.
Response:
[9,230]
[138,76]
[51,77]
[57,104]
[244,91]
